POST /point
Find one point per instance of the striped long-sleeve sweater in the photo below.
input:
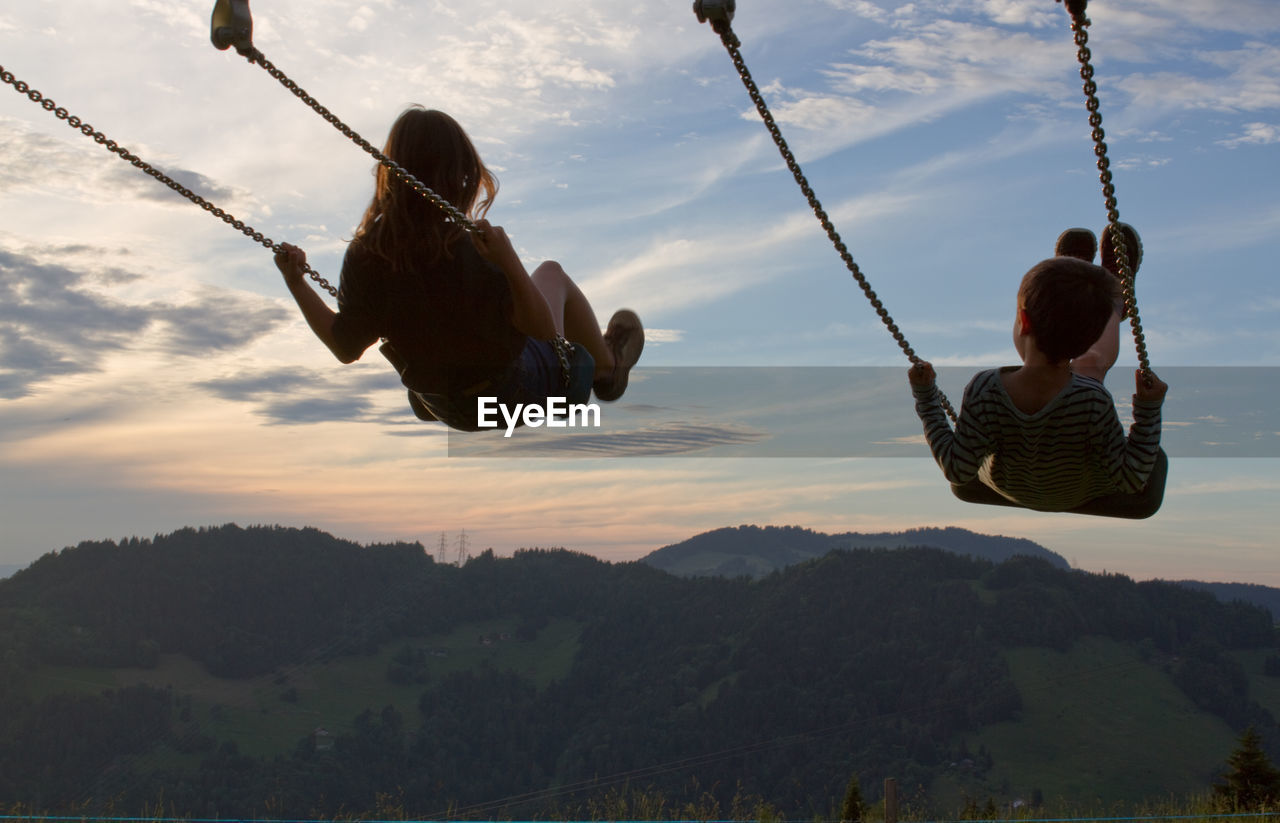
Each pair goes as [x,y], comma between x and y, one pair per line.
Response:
[1067,453]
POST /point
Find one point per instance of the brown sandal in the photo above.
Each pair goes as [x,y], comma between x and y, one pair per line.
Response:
[1132,250]
[1077,243]
[1132,244]
[625,338]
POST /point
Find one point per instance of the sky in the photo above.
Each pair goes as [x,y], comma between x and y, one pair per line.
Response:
[154,373]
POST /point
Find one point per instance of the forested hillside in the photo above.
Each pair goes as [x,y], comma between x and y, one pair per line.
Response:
[1266,596]
[593,675]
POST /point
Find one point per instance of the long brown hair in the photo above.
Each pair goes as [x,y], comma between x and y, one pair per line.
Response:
[402,226]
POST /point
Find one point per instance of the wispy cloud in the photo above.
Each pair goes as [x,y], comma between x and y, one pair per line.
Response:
[57,321]
[1020,13]
[664,335]
[682,271]
[862,8]
[52,324]
[928,70]
[1260,134]
[27,158]
[215,322]
[1244,80]
[294,395]
[1250,17]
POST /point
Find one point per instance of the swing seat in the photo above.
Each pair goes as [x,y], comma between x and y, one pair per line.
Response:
[439,408]
[1135,506]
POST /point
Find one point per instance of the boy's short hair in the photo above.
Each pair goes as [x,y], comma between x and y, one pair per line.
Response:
[1068,303]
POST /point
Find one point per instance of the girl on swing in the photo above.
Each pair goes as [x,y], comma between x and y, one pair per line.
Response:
[461,316]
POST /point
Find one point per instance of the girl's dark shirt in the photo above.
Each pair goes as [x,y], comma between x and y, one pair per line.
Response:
[449,321]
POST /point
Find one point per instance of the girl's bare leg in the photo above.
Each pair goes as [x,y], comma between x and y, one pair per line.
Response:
[572,313]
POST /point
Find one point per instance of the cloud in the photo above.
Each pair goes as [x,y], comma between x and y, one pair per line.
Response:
[251,386]
[862,8]
[501,68]
[174,15]
[27,156]
[664,335]
[906,440]
[315,409]
[197,183]
[1020,13]
[951,57]
[929,70]
[52,324]
[1264,304]
[58,320]
[294,395]
[1241,16]
[1261,134]
[932,67]
[1248,79]
[659,276]
[218,322]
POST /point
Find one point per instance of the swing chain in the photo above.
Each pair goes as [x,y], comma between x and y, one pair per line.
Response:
[732,45]
[137,162]
[1079,25]
[395,168]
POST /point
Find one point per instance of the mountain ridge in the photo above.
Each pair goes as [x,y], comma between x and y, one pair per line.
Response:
[756,551]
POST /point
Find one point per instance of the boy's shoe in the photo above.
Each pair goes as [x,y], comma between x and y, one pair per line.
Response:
[625,338]
[1133,248]
[1077,243]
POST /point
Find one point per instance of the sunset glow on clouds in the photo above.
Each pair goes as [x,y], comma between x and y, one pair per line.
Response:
[154,372]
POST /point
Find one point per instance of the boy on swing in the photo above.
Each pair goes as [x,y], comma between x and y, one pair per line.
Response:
[1045,435]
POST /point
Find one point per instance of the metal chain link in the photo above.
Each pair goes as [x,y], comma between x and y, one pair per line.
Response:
[392,166]
[564,352]
[1079,25]
[137,162]
[732,45]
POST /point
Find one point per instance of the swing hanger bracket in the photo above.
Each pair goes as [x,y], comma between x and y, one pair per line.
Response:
[1076,8]
[717,12]
[232,25]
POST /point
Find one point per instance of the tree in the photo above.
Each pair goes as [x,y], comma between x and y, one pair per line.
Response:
[1253,781]
[851,809]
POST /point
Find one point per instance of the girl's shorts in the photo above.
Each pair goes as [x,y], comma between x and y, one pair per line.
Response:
[529,380]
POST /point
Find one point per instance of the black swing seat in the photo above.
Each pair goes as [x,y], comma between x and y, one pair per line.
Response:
[434,408]
[1135,506]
